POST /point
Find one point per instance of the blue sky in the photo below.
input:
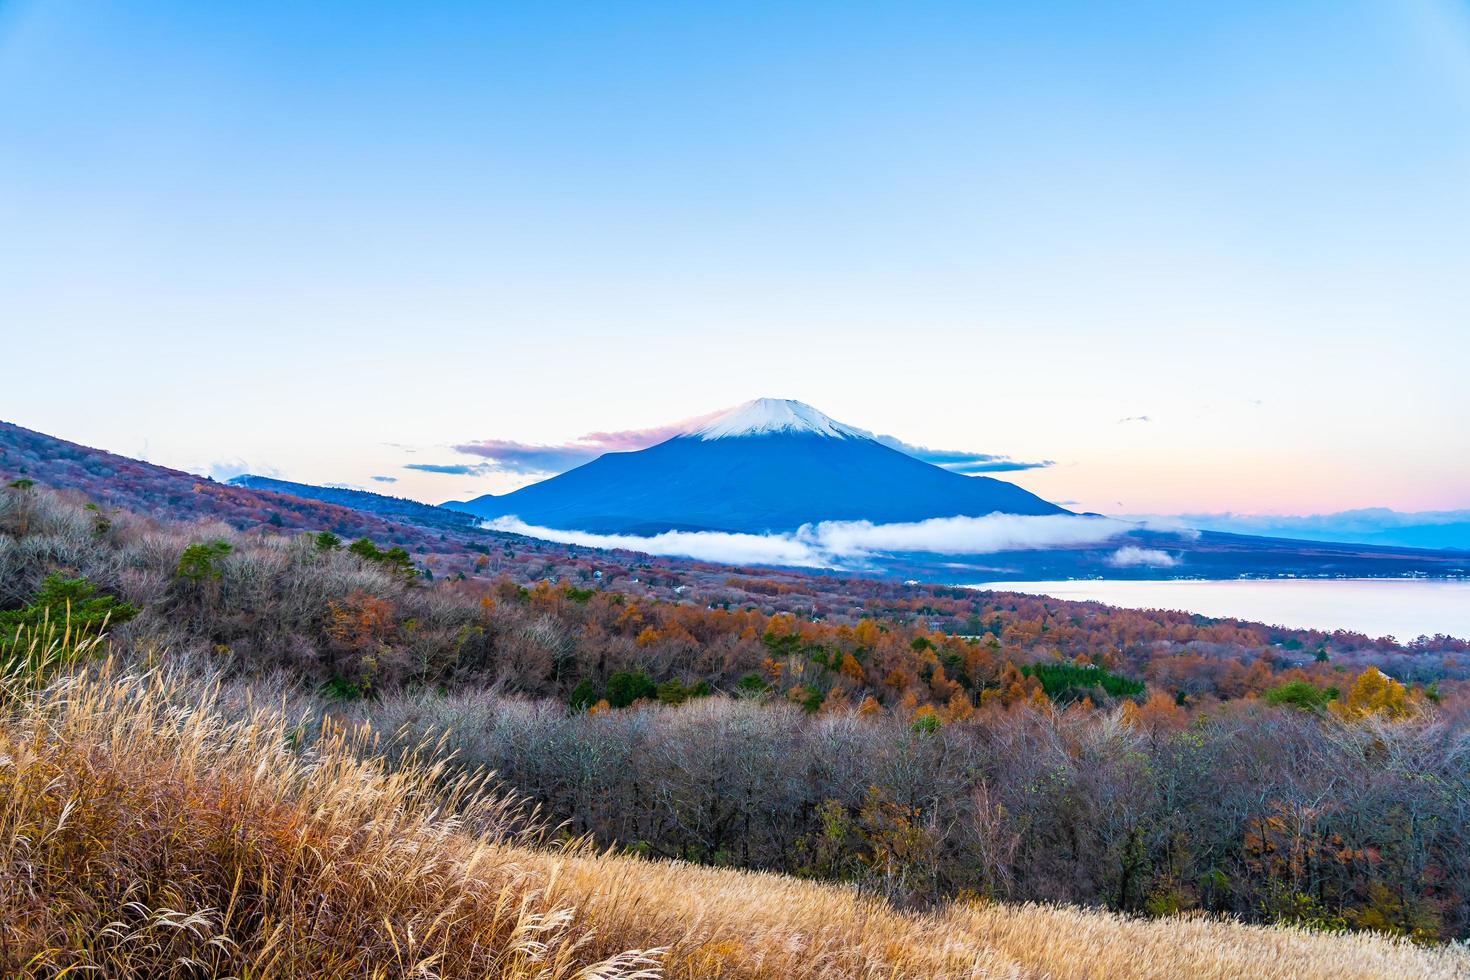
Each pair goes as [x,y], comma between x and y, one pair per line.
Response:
[336,240]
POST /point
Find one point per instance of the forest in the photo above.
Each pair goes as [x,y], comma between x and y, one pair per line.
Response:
[920,744]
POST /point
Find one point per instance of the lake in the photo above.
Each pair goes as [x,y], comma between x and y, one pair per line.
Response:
[1402,608]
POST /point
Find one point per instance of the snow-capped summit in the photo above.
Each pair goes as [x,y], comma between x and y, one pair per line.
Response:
[769,416]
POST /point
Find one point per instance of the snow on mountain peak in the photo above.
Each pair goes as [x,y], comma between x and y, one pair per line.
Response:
[768,416]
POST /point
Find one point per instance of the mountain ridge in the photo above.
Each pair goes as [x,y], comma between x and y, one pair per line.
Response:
[383,504]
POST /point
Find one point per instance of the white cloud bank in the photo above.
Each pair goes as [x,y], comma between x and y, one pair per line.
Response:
[1132,556]
[829,543]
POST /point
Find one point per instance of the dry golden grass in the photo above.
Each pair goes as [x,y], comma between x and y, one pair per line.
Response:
[145,834]
[722,923]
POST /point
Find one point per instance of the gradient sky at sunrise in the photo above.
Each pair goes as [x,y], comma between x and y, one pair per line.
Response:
[1203,257]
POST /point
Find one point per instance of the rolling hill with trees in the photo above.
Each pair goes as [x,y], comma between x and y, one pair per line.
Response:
[922,745]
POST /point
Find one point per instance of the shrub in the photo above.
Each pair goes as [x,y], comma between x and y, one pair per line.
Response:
[625,687]
[37,651]
[72,599]
[339,688]
[1299,695]
[926,722]
[751,685]
[395,559]
[201,562]
[584,695]
[1070,682]
[672,691]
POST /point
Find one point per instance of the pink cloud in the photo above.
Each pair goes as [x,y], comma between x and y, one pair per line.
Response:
[520,457]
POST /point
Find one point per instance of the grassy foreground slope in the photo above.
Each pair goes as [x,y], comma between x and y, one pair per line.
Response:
[153,824]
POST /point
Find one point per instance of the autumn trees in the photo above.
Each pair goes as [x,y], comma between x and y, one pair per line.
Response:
[1258,811]
[917,742]
[1373,693]
[267,600]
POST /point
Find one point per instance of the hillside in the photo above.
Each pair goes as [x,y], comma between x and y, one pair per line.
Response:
[173,834]
[918,743]
[173,494]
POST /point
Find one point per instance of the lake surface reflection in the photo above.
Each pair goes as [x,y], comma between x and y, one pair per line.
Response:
[1402,608]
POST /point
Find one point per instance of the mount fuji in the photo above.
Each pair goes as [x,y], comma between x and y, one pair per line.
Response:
[768,465]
